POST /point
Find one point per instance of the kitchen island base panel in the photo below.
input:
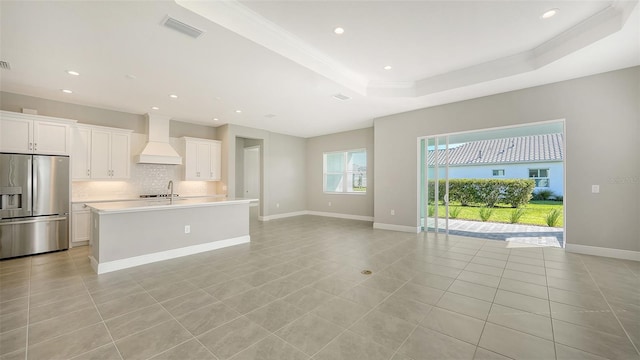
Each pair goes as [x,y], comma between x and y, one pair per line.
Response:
[102,268]
[129,236]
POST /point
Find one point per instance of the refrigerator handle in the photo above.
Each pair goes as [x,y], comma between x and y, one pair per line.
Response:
[34,185]
[30,184]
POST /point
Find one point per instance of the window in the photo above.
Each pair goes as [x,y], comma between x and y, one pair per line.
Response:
[541,176]
[499,172]
[345,171]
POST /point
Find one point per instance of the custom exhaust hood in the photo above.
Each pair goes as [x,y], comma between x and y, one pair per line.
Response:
[158,150]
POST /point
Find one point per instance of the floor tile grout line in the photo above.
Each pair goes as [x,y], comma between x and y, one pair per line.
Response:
[26,346]
[397,351]
[375,307]
[490,308]
[611,308]
[178,322]
[553,336]
[364,315]
[95,306]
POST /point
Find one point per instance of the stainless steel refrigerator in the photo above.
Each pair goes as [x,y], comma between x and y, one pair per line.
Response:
[34,204]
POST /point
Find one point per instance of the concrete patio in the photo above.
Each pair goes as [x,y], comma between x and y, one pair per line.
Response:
[524,235]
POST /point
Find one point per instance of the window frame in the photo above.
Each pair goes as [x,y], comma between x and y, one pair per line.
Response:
[538,177]
[493,172]
[345,172]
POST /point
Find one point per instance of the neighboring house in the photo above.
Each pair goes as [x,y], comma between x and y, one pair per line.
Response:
[539,157]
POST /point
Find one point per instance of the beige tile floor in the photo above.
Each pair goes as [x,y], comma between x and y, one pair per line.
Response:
[296,292]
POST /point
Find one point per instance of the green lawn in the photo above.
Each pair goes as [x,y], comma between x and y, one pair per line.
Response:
[535,212]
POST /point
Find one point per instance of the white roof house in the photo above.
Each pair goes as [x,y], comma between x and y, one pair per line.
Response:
[539,157]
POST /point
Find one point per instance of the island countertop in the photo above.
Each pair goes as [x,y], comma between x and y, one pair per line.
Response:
[163,204]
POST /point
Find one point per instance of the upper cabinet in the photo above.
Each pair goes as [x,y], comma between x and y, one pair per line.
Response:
[202,159]
[34,134]
[101,153]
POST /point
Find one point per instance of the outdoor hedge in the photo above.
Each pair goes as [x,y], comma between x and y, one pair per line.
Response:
[487,192]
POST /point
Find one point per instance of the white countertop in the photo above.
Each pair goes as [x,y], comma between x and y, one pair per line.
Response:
[156,204]
[87,200]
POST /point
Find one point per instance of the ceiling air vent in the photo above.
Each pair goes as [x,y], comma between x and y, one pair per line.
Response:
[5,65]
[342,97]
[179,26]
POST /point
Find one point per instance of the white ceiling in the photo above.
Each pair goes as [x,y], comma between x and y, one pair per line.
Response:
[282,57]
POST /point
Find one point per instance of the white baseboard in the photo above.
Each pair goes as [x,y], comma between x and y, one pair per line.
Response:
[109,266]
[402,228]
[282,216]
[341,216]
[601,251]
[316,213]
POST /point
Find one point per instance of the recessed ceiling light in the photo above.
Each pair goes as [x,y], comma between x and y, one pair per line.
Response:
[155,108]
[66,91]
[131,76]
[270,116]
[215,119]
[338,31]
[388,67]
[173,96]
[549,14]
[74,73]
[238,111]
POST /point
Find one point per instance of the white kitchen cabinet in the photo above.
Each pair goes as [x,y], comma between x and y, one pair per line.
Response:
[202,159]
[81,153]
[216,159]
[80,225]
[34,134]
[101,153]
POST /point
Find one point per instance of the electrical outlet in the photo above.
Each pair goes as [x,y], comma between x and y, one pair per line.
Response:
[393,212]
[187,229]
[329,203]
[595,189]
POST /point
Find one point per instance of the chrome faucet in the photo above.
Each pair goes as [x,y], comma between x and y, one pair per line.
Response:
[170,187]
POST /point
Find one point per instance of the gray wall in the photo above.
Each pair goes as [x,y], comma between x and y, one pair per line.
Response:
[602,115]
[96,116]
[283,167]
[84,114]
[352,204]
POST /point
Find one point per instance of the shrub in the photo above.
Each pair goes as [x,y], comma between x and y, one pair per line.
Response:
[485,213]
[542,195]
[559,198]
[519,192]
[553,217]
[488,192]
[516,214]
[431,211]
[454,212]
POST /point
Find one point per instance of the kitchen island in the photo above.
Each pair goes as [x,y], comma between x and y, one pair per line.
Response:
[131,233]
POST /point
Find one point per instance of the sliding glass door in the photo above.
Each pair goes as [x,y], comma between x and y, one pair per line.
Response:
[434,160]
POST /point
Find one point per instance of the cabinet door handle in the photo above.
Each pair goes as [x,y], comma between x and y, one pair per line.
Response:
[30,146]
[88,172]
[35,146]
[198,174]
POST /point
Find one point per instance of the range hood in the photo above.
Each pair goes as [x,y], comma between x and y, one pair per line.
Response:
[158,150]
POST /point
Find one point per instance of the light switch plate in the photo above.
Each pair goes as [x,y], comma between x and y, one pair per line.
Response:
[595,189]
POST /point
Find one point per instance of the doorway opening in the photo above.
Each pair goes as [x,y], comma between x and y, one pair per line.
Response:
[502,183]
[249,173]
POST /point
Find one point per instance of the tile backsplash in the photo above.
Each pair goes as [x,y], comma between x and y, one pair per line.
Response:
[145,179]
